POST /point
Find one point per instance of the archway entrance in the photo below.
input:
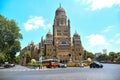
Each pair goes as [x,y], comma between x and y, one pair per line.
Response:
[63,61]
[63,57]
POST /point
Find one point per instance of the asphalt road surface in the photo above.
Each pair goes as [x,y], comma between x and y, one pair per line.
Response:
[108,72]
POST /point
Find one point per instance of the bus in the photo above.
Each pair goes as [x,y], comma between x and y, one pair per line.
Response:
[50,63]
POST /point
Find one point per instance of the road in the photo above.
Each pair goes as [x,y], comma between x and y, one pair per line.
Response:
[108,72]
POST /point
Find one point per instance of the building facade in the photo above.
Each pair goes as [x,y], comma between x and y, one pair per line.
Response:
[59,44]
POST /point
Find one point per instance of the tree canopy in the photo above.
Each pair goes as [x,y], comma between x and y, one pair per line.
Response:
[9,39]
[112,56]
[112,53]
[88,55]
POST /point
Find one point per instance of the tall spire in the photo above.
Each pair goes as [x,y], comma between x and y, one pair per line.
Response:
[49,30]
[75,31]
[60,5]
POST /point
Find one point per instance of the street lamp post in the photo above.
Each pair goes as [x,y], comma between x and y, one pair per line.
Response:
[86,55]
[40,58]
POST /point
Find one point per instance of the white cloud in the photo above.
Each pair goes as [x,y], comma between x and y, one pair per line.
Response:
[118,41]
[108,29]
[96,40]
[36,22]
[49,25]
[117,35]
[100,4]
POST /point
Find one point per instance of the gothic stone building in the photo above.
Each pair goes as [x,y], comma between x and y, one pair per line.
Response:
[60,45]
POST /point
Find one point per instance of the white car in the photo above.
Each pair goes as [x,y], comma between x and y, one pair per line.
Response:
[61,65]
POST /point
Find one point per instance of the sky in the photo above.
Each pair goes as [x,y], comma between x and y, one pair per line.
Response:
[96,21]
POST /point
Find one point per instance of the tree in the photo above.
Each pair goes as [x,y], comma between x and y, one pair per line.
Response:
[17,59]
[88,55]
[9,39]
[28,56]
[1,58]
[112,56]
[102,57]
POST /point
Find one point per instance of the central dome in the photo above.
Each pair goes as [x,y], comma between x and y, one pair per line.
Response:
[76,34]
[60,11]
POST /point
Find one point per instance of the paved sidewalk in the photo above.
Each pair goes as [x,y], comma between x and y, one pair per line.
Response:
[1,67]
[23,68]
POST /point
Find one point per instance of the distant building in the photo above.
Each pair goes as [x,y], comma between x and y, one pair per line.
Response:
[104,51]
[34,50]
[97,54]
[118,54]
[58,44]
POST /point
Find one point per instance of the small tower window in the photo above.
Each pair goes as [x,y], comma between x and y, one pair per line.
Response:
[57,23]
[61,21]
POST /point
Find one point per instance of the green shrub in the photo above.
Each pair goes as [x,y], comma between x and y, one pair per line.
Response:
[29,64]
[70,65]
[77,65]
[36,65]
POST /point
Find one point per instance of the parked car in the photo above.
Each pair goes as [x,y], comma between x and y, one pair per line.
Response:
[1,64]
[96,65]
[7,65]
[12,65]
[60,65]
